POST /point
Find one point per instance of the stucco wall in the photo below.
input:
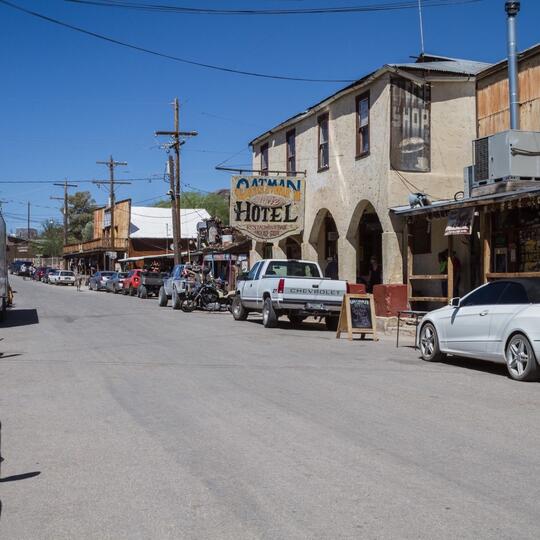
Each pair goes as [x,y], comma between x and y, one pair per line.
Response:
[351,184]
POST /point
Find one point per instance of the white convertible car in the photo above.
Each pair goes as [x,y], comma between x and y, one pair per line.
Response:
[499,321]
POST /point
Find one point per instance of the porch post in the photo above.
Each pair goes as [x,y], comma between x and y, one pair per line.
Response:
[407,249]
[485,240]
[450,268]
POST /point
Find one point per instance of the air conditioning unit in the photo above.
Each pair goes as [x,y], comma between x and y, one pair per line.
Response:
[509,155]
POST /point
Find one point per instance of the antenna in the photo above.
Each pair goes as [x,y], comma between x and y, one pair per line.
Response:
[421,27]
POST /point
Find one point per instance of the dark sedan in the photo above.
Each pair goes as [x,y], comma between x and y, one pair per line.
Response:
[98,281]
[116,283]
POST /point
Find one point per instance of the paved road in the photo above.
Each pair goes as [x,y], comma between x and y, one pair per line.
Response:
[148,423]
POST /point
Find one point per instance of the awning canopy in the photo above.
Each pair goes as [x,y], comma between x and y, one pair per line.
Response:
[145,257]
[443,207]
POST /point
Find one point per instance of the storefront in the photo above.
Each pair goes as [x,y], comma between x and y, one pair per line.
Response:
[502,240]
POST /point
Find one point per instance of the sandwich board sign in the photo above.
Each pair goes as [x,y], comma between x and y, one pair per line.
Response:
[357,316]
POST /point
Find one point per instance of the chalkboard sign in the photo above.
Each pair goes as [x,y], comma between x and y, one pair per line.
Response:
[357,316]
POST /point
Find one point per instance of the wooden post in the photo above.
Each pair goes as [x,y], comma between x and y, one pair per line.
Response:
[408,258]
[450,269]
[485,241]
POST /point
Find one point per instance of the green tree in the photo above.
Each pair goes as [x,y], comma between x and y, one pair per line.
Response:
[81,212]
[50,241]
[214,203]
[88,231]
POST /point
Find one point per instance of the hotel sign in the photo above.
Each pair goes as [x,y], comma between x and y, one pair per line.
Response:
[267,208]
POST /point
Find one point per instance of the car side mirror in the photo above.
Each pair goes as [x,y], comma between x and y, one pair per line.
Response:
[455,302]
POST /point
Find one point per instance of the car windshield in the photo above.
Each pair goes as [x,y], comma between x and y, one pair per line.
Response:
[67,273]
[107,274]
[292,269]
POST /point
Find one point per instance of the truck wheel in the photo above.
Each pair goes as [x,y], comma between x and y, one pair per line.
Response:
[331,323]
[296,320]
[142,292]
[176,299]
[163,300]
[132,291]
[240,313]
[268,314]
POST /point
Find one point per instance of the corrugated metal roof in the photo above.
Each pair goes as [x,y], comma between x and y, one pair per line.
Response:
[152,222]
[455,65]
[440,206]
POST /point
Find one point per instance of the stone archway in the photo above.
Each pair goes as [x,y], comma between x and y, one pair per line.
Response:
[365,234]
[324,239]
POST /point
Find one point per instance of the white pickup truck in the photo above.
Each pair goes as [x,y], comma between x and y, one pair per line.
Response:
[276,287]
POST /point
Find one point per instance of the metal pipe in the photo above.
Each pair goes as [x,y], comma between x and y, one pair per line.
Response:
[512,9]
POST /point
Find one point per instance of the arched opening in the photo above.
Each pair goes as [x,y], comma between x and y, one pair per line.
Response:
[324,238]
[368,241]
[293,249]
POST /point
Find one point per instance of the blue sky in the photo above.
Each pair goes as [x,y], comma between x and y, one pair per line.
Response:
[69,99]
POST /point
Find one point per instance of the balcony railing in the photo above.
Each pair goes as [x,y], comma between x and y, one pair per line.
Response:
[99,244]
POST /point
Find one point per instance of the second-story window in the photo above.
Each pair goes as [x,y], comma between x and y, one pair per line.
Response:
[264,159]
[324,148]
[362,125]
[291,151]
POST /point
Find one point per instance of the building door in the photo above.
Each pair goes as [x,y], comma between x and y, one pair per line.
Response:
[369,245]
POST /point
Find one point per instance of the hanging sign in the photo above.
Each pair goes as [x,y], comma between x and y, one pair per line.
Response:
[460,221]
[357,316]
[267,208]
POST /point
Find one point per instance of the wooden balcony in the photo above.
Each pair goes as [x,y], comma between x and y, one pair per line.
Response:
[99,244]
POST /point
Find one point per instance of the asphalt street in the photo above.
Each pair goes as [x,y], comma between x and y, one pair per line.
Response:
[124,420]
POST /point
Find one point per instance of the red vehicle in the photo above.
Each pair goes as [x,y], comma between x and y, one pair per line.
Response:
[132,282]
[40,272]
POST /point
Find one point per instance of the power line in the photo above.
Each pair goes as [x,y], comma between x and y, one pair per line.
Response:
[169,56]
[148,179]
[167,8]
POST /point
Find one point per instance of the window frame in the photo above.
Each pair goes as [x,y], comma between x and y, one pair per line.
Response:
[264,151]
[320,119]
[288,135]
[359,137]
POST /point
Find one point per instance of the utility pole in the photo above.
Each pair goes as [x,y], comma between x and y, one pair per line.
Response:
[176,237]
[65,185]
[28,224]
[178,139]
[112,182]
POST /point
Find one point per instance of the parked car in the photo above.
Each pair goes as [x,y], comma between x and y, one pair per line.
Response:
[98,280]
[116,283]
[15,266]
[132,282]
[48,274]
[499,321]
[174,287]
[150,283]
[294,288]
[40,271]
[62,277]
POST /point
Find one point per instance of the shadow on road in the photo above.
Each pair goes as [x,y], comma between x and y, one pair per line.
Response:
[20,317]
[22,476]
[476,365]
[308,326]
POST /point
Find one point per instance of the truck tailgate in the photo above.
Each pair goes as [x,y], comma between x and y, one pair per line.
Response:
[314,293]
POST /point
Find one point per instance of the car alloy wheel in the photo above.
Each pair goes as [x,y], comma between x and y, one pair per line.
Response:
[429,343]
[520,359]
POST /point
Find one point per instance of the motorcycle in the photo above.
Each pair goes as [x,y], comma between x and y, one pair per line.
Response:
[225,297]
[204,297]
